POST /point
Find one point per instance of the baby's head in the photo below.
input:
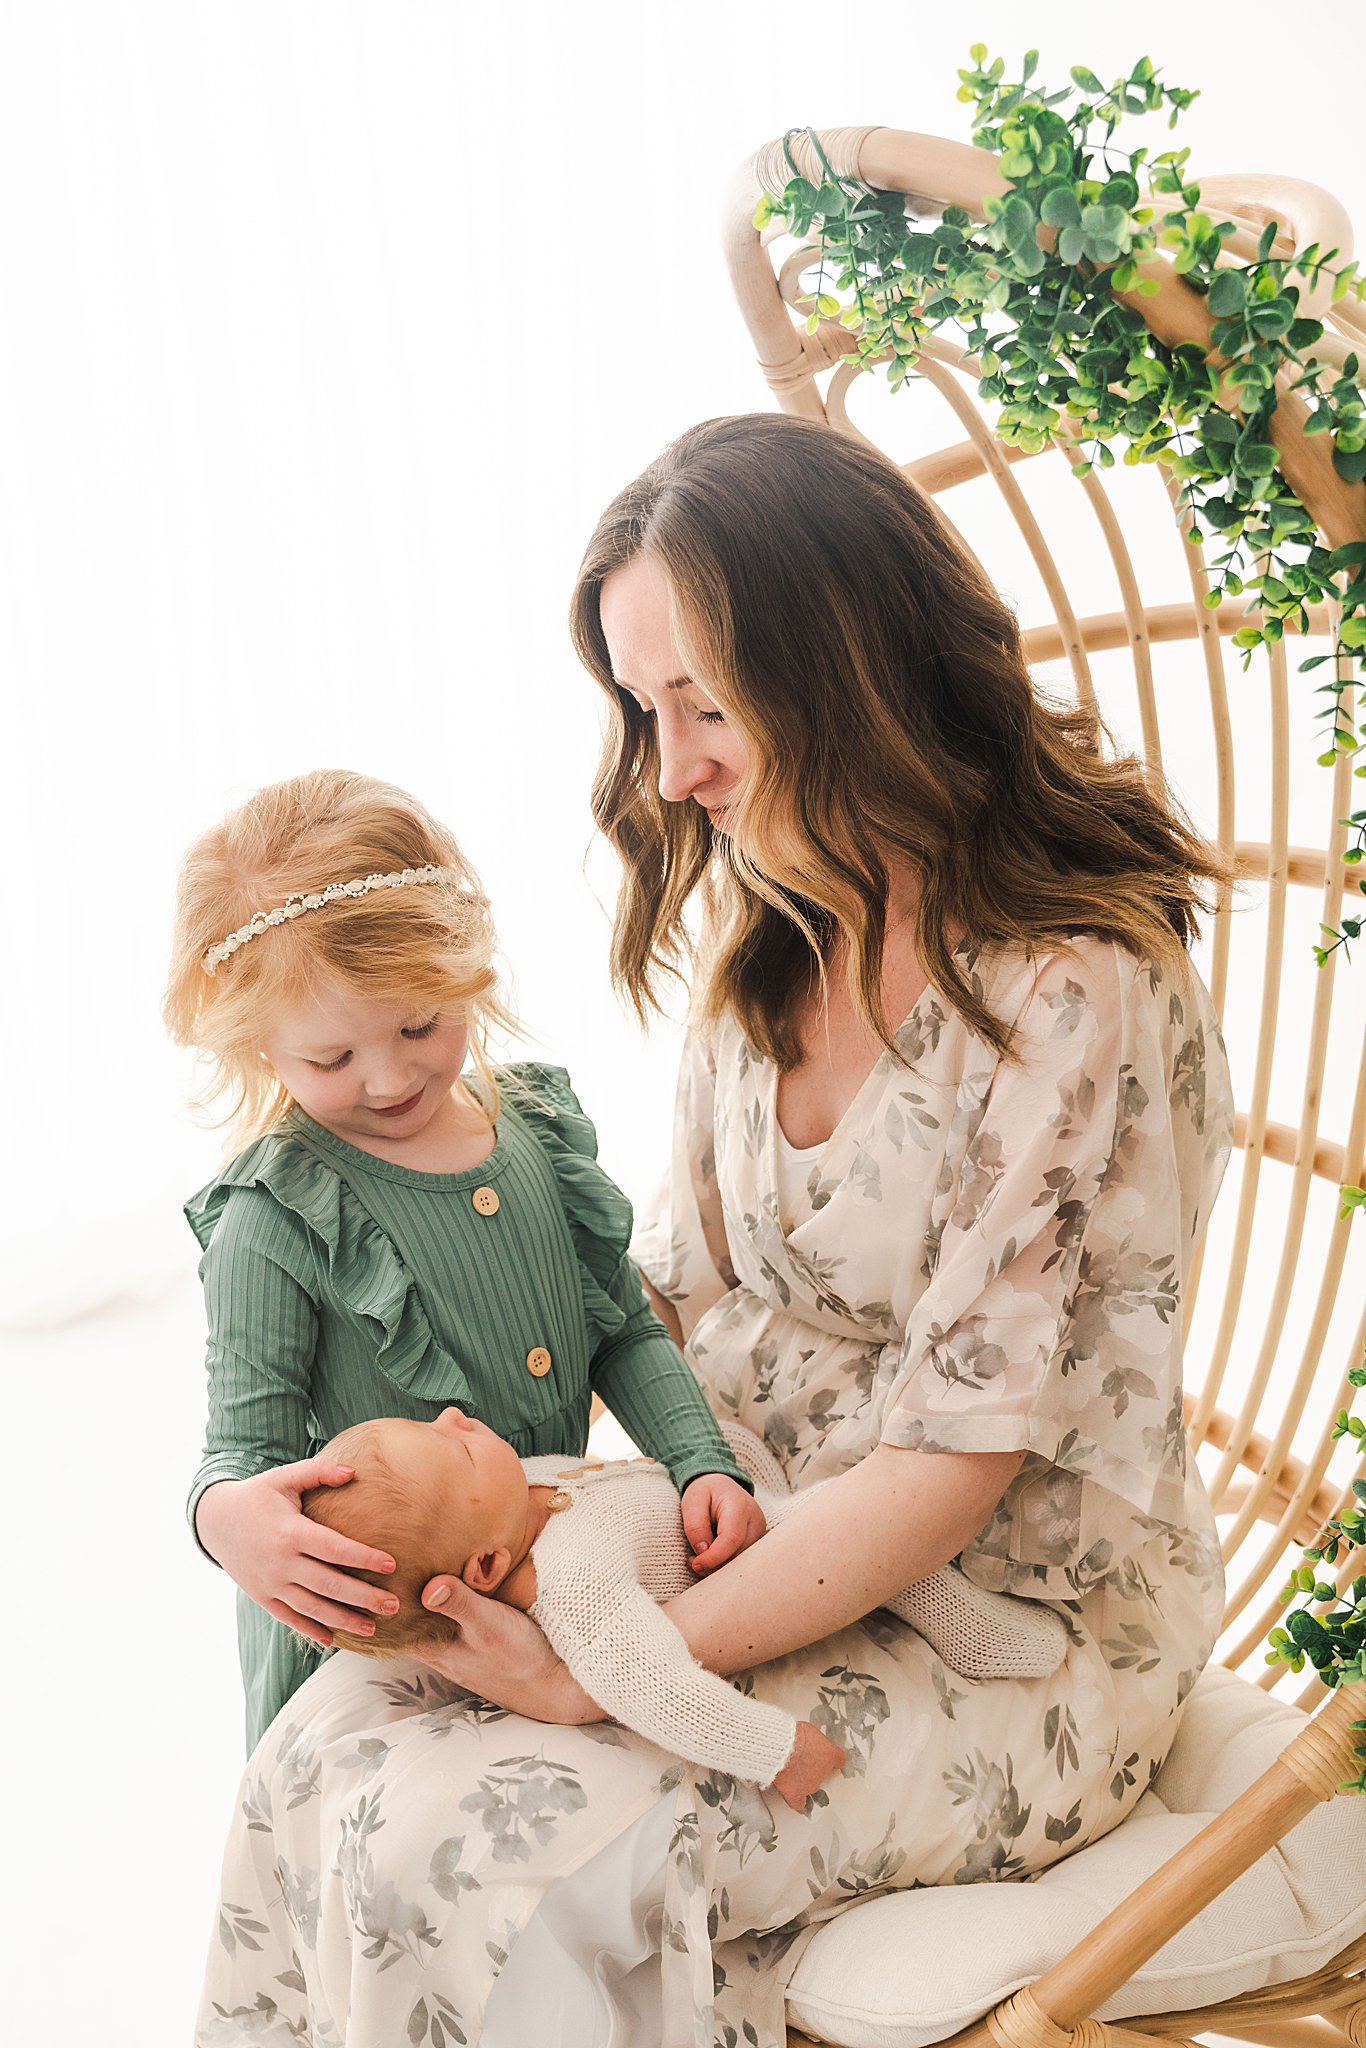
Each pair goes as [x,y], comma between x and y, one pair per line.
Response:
[443,1496]
[420,946]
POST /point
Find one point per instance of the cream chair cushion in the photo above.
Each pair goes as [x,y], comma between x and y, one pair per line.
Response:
[909,1969]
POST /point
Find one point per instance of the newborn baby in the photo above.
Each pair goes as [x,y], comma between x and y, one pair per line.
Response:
[589,1550]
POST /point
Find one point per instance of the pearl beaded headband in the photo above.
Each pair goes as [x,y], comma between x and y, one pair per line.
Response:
[295,906]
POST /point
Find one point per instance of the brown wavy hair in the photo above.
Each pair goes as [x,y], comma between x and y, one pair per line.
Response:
[880,686]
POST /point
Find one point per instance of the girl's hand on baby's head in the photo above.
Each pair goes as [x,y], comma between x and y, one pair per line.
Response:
[719,1520]
[299,1571]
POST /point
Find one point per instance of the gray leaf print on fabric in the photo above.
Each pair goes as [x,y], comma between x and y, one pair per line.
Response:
[866,1175]
[1168,1444]
[945,1694]
[999,1817]
[1052,1513]
[876,1869]
[850,1707]
[235,1924]
[1062,1828]
[1188,1080]
[434,2020]
[301,1896]
[391,1926]
[445,1876]
[920,1033]
[907,1117]
[966,1357]
[1060,1732]
[818,1271]
[1067,1006]
[1135,1648]
[1076,1107]
[298,1766]
[521,1796]
[982,1172]
[748,1824]
[366,1757]
[261,2025]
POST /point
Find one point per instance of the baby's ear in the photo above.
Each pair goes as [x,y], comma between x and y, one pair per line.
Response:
[486,1570]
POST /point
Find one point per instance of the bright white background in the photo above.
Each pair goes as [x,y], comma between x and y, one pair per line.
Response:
[326,330]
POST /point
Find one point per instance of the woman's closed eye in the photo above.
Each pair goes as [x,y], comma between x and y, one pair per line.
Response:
[422,1030]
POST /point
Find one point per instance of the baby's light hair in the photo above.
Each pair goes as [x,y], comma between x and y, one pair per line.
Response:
[389,1510]
[429,947]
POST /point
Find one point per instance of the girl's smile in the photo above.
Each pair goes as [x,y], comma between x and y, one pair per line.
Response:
[371,1071]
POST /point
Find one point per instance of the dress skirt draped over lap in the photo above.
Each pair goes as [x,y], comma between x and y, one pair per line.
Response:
[990,1256]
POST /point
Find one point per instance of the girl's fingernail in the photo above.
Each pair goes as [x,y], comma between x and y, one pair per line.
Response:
[389,1606]
[365,1628]
[439,1598]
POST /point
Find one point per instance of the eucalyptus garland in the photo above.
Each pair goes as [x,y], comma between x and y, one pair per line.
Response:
[1030,292]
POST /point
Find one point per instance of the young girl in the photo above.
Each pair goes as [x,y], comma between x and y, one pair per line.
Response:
[396,1237]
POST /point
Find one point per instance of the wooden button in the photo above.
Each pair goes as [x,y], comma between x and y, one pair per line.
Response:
[485,1201]
[538,1362]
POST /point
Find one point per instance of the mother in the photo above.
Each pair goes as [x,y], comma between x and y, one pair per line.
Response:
[951,1118]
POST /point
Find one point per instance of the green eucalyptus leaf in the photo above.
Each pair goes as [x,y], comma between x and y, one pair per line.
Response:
[1227,294]
[1060,208]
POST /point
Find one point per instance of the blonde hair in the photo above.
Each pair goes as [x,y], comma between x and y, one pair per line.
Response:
[431,946]
[387,1509]
[880,686]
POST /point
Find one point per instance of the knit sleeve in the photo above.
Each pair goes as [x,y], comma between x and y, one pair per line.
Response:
[641,1672]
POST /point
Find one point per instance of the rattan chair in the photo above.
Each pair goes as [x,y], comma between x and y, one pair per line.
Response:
[1279,1318]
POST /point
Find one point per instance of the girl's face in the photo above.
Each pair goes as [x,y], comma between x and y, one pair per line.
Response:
[367,1070]
[701,758]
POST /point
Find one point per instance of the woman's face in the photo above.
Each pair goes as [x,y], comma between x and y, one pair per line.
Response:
[701,759]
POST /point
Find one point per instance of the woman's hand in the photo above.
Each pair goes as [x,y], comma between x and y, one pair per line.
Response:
[814,1757]
[719,1520]
[502,1655]
[295,1568]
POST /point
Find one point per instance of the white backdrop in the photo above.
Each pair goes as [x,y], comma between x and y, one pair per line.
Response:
[327,330]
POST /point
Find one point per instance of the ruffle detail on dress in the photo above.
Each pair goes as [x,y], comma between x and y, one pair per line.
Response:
[597,1212]
[365,1273]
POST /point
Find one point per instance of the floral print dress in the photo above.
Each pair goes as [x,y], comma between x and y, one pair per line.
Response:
[991,1256]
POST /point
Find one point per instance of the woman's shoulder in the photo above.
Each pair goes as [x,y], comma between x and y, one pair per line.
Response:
[276,1190]
[1084,982]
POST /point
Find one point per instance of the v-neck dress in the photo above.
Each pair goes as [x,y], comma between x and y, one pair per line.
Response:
[988,1255]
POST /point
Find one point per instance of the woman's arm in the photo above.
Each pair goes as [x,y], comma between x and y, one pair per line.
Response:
[890,1520]
[664,1309]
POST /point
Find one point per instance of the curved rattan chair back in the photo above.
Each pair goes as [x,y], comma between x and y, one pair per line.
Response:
[1111,597]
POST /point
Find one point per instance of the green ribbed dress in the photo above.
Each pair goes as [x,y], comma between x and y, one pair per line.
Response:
[339,1286]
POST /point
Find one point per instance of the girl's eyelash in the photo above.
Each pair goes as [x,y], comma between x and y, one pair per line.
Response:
[711,718]
[409,1031]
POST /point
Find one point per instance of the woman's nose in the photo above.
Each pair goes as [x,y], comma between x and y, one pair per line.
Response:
[683,766]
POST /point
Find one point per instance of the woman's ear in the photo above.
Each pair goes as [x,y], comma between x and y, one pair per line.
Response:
[486,1570]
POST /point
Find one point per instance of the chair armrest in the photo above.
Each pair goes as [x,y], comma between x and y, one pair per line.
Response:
[1311,1769]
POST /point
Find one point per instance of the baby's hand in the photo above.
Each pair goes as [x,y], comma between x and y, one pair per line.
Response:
[719,1520]
[814,1756]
